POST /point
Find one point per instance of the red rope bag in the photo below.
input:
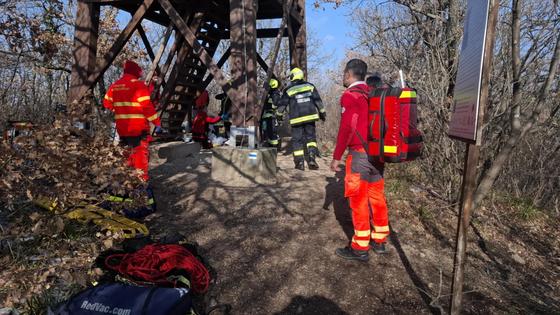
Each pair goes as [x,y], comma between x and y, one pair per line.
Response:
[157,263]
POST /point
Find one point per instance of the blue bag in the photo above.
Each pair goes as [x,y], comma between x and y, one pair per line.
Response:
[124,299]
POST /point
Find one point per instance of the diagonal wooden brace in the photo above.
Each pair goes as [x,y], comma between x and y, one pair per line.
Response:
[113,52]
[198,50]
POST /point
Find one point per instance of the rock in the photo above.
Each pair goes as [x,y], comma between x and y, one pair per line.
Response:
[108,243]
[518,259]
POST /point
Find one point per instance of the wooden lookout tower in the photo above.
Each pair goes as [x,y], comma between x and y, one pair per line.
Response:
[196,27]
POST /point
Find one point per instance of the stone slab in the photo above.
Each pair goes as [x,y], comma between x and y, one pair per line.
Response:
[171,151]
[243,167]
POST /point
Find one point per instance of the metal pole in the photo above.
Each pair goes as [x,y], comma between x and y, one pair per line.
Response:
[470,168]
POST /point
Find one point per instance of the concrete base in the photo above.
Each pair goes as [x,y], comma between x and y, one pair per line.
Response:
[171,151]
[244,167]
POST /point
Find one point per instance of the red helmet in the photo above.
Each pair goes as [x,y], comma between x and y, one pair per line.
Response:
[132,68]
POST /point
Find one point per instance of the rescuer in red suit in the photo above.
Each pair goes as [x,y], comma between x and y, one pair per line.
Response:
[129,99]
[363,182]
[202,120]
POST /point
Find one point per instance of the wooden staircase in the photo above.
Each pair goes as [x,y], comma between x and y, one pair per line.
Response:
[188,72]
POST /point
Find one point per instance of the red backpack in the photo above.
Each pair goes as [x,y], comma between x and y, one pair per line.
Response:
[393,136]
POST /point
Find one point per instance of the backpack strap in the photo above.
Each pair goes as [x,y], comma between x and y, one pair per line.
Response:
[354,122]
[366,95]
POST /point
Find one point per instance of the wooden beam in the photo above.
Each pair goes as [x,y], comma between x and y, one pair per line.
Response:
[120,42]
[298,47]
[243,59]
[146,42]
[157,57]
[262,63]
[220,64]
[262,33]
[294,13]
[190,38]
[85,48]
[183,54]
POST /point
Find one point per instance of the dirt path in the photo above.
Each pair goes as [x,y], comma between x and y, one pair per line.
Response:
[273,248]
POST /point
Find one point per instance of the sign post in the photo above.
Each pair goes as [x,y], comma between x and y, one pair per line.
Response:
[471,97]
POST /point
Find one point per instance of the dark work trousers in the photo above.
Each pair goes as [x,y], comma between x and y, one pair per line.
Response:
[269,131]
[304,142]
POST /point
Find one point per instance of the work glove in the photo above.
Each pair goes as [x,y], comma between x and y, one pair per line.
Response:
[158,130]
[323,116]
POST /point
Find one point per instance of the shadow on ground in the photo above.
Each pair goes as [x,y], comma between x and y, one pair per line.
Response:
[273,247]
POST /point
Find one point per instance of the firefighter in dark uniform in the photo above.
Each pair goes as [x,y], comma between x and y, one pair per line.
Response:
[269,124]
[225,112]
[305,108]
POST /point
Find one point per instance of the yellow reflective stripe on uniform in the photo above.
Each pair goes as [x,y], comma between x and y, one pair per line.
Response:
[381,228]
[408,94]
[268,115]
[151,201]
[378,236]
[312,144]
[300,89]
[390,149]
[126,104]
[153,117]
[108,98]
[130,116]
[118,199]
[361,233]
[142,99]
[299,153]
[304,119]
[115,199]
[273,142]
[322,110]
[360,242]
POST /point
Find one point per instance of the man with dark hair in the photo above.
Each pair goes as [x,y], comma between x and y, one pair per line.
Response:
[364,186]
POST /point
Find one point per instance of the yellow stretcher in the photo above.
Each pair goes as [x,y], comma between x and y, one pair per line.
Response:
[105,219]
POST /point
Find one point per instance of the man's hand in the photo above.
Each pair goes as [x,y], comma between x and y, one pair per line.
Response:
[323,116]
[335,166]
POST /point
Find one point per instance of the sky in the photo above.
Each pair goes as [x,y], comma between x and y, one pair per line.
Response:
[332,27]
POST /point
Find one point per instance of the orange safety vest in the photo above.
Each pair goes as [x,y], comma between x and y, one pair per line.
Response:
[129,99]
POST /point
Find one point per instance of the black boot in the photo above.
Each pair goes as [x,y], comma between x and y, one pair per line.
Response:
[379,248]
[312,163]
[300,165]
[352,254]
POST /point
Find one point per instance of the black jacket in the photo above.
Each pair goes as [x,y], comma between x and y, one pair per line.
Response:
[303,102]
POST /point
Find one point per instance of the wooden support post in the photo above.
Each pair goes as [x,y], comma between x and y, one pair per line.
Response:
[202,54]
[470,167]
[85,48]
[298,48]
[113,52]
[243,65]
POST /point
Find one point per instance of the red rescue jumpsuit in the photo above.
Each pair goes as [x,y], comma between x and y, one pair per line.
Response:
[129,99]
[364,184]
[200,127]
